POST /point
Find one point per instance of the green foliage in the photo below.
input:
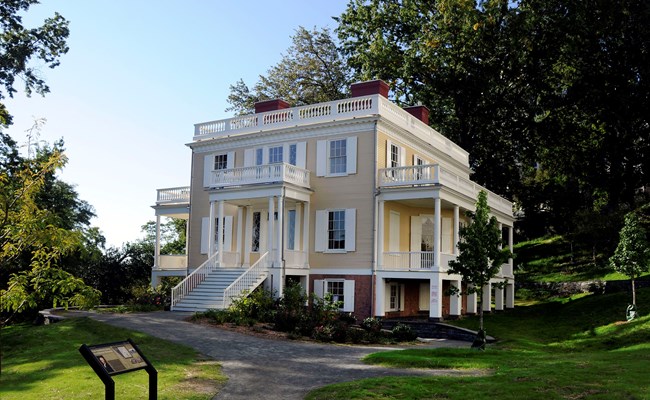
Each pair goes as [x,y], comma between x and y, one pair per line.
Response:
[19,45]
[312,71]
[632,255]
[403,333]
[291,309]
[258,306]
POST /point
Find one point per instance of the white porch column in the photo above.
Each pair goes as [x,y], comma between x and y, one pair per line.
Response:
[380,237]
[510,295]
[455,300]
[156,256]
[510,260]
[498,299]
[500,225]
[435,297]
[297,229]
[471,302]
[270,228]
[487,297]
[248,239]
[220,232]
[240,234]
[305,234]
[211,230]
[277,272]
[380,297]
[456,228]
[436,234]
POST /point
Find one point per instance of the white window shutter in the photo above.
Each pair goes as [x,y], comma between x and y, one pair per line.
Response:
[387,298]
[205,234]
[208,167]
[348,296]
[320,239]
[350,229]
[389,144]
[402,157]
[227,242]
[351,155]
[230,161]
[321,158]
[301,155]
[249,157]
[416,233]
[319,285]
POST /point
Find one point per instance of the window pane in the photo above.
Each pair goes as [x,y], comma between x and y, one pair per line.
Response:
[256,232]
[221,161]
[291,234]
[293,149]
[336,289]
[337,156]
[336,230]
[259,156]
[275,155]
[394,156]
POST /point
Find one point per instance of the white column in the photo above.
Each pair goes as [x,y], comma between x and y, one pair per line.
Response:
[240,234]
[211,230]
[278,271]
[510,260]
[270,228]
[436,234]
[156,256]
[305,234]
[487,297]
[296,228]
[498,299]
[380,297]
[471,302]
[220,228]
[435,297]
[500,225]
[456,228]
[455,300]
[248,239]
[380,236]
[510,295]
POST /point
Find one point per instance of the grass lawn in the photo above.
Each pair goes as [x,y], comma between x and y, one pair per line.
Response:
[577,349]
[43,362]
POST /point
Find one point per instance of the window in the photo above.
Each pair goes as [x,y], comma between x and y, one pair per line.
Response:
[257,220]
[395,297]
[337,157]
[291,230]
[427,234]
[227,233]
[394,156]
[420,173]
[341,289]
[293,154]
[335,230]
[220,161]
[259,156]
[275,155]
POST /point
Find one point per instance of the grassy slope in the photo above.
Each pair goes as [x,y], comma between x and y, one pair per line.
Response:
[572,350]
[43,362]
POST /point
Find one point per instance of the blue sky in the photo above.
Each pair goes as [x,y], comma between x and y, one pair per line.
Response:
[138,76]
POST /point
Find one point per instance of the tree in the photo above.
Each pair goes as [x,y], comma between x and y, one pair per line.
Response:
[632,255]
[312,71]
[19,46]
[480,254]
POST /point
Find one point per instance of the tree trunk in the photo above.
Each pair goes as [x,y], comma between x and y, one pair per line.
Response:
[480,308]
[633,292]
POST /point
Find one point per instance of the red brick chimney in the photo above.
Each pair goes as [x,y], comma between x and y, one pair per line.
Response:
[419,112]
[369,87]
[270,105]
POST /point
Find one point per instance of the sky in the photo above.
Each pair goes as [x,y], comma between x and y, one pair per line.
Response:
[137,77]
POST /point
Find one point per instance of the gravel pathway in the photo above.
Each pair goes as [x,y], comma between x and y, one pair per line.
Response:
[259,368]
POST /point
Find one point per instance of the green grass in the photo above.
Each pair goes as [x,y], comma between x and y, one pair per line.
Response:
[573,349]
[43,362]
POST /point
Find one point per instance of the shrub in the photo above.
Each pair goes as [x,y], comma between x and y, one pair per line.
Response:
[291,309]
[403,333]
[257,306]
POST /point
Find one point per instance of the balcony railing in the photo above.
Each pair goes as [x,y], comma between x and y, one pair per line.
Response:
[174,195]
[259,174]
[434,174]
[408,261]
[173,262]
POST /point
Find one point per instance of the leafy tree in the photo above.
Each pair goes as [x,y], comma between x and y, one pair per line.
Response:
[20,45]
[632,255]
[312,71]
[480,254]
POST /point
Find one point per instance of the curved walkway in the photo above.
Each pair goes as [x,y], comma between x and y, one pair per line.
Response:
[267,368]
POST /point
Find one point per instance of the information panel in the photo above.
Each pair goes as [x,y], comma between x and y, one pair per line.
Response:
[118,357]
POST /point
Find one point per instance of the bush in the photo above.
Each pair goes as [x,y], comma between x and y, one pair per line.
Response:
[218,317]
[291,310]
[403,333]
[258,306]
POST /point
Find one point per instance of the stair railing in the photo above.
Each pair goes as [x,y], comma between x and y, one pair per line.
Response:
[249,280]
[194,279]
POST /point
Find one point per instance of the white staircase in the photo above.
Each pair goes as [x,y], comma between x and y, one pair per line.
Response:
[212,287]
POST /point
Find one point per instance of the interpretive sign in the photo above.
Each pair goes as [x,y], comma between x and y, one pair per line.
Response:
[118,358]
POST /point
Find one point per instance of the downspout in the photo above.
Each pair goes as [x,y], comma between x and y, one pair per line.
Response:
[281,239]
[373,276]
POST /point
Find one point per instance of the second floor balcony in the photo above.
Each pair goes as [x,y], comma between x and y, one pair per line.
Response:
[256,175]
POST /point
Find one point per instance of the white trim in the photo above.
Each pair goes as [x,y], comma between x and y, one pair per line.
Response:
[343,270]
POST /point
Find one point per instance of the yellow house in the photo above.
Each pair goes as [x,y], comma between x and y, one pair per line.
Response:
[356,197]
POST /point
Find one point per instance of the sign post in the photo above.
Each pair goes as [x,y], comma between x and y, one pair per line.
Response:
[117,358]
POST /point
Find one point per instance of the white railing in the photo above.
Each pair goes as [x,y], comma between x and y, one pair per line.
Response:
[434,174]
[408,261]
[194,279]
[248,281]
[174,195]
[268,173]
[346,108]
[173,261]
